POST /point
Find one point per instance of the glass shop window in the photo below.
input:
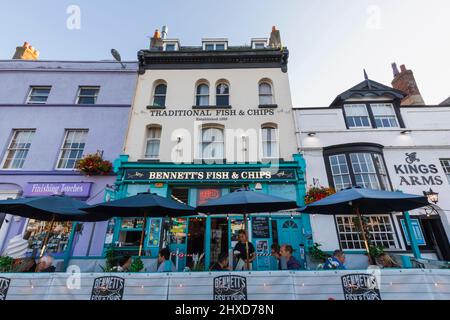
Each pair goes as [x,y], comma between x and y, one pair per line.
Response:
[36,232]
[130,232]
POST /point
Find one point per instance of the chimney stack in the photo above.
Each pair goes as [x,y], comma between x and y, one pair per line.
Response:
[405,81]
[156,42]
[275,38]
[26,52]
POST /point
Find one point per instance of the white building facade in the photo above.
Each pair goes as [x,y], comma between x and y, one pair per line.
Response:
[207,120]
[368,138]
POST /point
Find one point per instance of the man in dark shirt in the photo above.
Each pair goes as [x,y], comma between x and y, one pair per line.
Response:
[240,249]
[221,264]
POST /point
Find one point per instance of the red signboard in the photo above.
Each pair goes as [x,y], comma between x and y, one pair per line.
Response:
[206,194]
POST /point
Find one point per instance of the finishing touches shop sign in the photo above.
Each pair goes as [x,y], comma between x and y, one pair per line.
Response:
[416,173]
[72,189]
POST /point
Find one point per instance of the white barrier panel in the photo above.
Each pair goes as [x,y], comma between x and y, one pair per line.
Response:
[405,284]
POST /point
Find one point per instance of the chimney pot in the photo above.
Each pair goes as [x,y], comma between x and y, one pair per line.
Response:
[395,69]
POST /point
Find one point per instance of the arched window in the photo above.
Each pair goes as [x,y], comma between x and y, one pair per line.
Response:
[159,95]
[269,141]
[265,93]
[202,95]
[212,144]
[222,94]
[153,141]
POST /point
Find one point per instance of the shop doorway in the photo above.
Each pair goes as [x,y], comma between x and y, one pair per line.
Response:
[289,232]
[430,235]
[196,244]
[435,234]
[219,238]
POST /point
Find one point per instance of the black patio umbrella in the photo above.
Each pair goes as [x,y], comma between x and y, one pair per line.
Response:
[245,202]
[55,208]
[141,205]
[357,200]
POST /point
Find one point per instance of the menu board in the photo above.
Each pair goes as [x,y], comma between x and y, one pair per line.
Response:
[260,227]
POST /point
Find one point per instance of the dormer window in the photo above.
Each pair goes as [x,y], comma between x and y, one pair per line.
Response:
[384,115]
[171,45]
[259,43]
[356,116]
[374,115]
[215,45]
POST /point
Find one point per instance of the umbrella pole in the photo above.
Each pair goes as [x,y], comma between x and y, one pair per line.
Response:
[144,226]
[47,237]
[247,262]
[363,233]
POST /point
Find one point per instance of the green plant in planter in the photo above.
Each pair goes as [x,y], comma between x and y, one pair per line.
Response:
[317,254]
[376,251]
[110,260]
[6,264]
[137,265]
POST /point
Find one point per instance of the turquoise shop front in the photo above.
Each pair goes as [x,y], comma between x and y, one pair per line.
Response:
[195,242]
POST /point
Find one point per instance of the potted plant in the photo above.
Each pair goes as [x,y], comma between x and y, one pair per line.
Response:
[316,254]
[94,165]
[6,264]
[317,193]
[137,265]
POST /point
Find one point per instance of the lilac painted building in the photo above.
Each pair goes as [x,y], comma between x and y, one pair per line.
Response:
[51,114]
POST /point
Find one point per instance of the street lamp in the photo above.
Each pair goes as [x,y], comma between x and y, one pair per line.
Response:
[432,196]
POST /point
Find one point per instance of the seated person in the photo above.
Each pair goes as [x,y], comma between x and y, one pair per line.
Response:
[275,252]
[123,264]
[386,261]
[292,263]
[221,264]
[336,261]
[240,250]
[45,264]
[164,262]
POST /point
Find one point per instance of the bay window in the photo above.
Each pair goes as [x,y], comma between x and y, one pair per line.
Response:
[356,165]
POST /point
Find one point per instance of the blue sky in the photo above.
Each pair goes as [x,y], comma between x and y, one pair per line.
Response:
[330,41]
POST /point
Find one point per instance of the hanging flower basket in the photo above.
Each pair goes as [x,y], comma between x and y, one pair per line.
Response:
[317,193]
[94,165]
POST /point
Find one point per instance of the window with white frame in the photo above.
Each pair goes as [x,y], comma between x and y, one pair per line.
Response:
[265,93]
[222,94]
[38,95]
[269,141]
[446,166]
[212,144]
[202,95]
[87,95]
[170,46]
[214,46]
[364,171]
[72,148]
[18,149]
[380,228]
[340,171]
[159,95]
[357,116]
[384,115]
[153,142]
